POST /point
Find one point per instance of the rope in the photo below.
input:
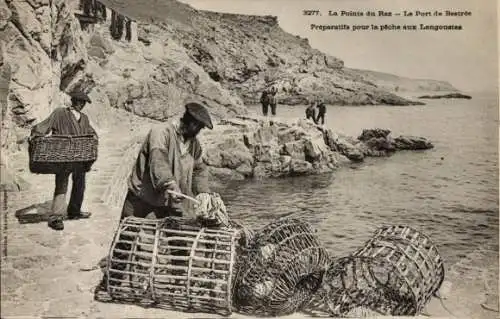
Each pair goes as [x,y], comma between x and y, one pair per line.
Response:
[444,306]
[488,308]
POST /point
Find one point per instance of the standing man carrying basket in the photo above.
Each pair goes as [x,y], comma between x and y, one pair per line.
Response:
[70,122]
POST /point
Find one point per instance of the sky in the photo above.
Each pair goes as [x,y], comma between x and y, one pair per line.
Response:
[466,58]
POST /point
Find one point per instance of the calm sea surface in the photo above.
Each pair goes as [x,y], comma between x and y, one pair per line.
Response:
[449,193]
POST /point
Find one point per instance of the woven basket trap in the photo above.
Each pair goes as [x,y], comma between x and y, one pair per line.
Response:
[395,273]
[172,263]
[280,270]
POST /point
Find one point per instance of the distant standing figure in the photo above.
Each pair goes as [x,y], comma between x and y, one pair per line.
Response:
[311,112]
[273,100]
[321,112]
[264,100]
[128,29]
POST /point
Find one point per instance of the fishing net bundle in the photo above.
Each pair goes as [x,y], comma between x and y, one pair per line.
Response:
[394,273]
[280,269]
[210,211]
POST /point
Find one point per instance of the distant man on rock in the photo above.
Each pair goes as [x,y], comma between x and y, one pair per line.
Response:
[264,100]
[273,101]
[67,121]
[170,159]
[321,112]
[311,112]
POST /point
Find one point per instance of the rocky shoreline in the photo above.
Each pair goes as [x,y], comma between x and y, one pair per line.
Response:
[252,147]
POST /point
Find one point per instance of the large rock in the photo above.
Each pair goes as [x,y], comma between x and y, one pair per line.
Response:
[260,149]
[405,142]
[45,51]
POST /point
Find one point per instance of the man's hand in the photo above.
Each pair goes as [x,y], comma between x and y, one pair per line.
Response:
[172,198]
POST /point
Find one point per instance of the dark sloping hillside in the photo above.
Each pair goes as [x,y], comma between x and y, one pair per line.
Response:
[396,83]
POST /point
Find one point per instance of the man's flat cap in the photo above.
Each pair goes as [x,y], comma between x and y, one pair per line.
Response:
[200,113]
[80,96]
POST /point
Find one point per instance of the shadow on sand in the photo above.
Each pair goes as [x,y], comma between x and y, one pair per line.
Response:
[36,213]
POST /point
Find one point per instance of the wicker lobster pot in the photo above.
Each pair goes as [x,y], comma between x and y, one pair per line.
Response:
[395,273]
[280,270]
[172,264]
[57,153]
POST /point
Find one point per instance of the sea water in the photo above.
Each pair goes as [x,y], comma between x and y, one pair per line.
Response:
[449,193]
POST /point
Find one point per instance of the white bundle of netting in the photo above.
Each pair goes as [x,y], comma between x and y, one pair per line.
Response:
[211,209]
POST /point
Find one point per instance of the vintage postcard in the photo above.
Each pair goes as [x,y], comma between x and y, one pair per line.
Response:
[249,159]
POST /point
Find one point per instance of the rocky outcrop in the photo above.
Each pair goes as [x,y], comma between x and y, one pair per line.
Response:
[44,48]
[245,147]
[447,96]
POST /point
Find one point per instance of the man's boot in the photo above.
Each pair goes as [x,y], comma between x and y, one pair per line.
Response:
[56,222]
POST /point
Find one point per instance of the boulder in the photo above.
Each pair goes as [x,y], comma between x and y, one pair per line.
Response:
[405,142]
[368,134]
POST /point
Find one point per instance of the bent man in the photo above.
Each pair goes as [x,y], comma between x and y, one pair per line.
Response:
[170,159]
[67,121]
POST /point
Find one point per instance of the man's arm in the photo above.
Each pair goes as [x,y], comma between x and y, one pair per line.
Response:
[44,127]
[159,167]
[200,172]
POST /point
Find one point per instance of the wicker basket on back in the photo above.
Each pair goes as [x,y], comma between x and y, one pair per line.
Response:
[395,273]
[56,153]
[280,270]
[172,263]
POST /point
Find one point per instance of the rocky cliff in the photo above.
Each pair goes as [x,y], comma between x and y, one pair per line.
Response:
[247,53]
